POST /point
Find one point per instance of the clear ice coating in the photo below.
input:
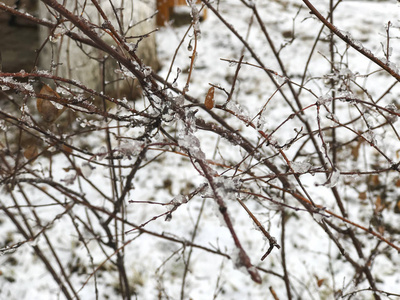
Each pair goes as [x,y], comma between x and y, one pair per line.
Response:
[333,179]
[301,167]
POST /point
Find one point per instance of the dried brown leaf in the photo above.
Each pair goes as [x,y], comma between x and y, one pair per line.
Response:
[66,149]
[48,110]
[320,282]
[398,182]
[31,152]
[362,195]
[209,101]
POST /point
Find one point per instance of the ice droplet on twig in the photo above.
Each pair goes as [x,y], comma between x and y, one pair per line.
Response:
[3,125]
[191,143]
[392,113]
[238,111]
[101,153]
[333,180]
[227,187]
[300,167]
[129,149]
[322,100]
[195,14]
[319,215]
[369,136]
[262,122]
[69,179]
[87,169]
[179,100]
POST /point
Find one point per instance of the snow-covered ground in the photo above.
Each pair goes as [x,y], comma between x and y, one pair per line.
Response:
[155,259]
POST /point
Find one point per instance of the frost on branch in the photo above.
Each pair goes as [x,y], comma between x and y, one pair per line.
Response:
[130,149]
[101,153]
[392,113]
[196,17]
[187,139]
[333,179]
[300,167]
[324,100]
[227,187]
[369,136]
[189,142]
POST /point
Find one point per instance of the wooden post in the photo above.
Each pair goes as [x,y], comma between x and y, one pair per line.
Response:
[165,8]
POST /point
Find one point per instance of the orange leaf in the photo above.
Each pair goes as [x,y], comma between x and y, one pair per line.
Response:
[320,282]
[209,101]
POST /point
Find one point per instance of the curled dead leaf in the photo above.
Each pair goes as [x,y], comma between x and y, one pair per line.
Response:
[397,207]
[362,195]
[374,180]
[320,282]
[379,204]
[66,149]
[46,108]
[355,151]
[398,183]
[209,101]
[31,152]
